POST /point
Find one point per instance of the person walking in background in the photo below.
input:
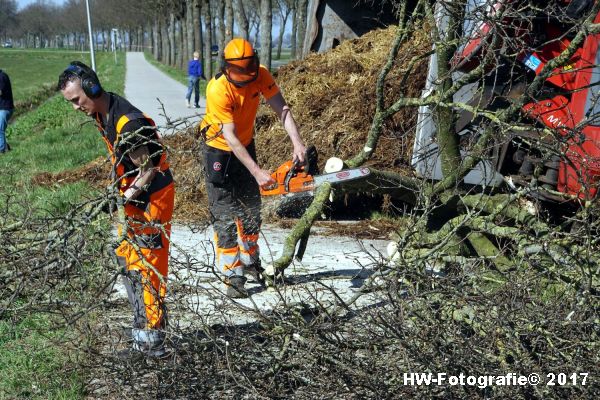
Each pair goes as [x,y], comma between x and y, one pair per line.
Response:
[195,73]
[139,165]
[233,176]
[7,107]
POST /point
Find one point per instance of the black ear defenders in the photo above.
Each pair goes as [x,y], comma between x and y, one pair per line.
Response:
[89,80]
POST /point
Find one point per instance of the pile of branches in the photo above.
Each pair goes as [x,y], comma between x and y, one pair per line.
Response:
[52,261]
[422,323]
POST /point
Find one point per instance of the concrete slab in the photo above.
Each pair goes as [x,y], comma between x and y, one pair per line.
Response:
[330,263]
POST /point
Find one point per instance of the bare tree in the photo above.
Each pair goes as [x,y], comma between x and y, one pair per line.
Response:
[294,33]
[197,21]
[301,10]
[8,12]
[266,23]
[241,19]
[208,38]
[283,9]
[228,20]
[221,28]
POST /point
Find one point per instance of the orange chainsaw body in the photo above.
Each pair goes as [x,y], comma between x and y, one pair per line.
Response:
[289,178]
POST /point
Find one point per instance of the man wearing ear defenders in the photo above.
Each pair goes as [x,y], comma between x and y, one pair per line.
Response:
[141,172]
[233,176]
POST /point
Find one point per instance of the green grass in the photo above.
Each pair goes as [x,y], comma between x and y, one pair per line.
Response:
[286,55]
[33,73]
[31,366]
[51,138]
[55,138]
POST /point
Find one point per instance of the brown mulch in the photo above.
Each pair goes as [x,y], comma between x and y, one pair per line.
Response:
[332,96]
[95,172]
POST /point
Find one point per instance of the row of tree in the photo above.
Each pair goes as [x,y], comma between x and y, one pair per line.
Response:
[171,29]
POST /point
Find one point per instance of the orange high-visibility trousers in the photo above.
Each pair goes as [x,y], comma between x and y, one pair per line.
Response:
[145,256]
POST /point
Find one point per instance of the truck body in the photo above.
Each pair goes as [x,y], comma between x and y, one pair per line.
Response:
[565,162]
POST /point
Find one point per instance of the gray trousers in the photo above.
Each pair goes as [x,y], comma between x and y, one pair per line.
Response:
[234,203]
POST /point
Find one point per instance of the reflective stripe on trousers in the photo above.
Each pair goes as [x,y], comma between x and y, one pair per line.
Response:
[232,260]
[248,244]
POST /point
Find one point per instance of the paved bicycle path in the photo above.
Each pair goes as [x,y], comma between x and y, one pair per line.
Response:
[149,89]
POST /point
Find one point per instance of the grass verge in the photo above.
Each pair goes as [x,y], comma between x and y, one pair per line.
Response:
[33,74]
[51,138]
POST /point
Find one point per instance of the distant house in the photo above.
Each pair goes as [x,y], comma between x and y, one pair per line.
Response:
[329,22]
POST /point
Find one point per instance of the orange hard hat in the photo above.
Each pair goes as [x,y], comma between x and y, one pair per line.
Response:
[240,62]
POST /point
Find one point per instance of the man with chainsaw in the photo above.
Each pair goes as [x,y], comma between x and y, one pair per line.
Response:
[141,172]
[233,177]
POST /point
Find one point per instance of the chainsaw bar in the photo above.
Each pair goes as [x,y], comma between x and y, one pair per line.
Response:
[289,180]
[341,176]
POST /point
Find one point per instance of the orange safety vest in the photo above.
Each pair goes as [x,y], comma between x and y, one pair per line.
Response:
[119,168]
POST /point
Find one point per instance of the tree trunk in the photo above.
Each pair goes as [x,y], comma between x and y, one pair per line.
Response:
[281,32]
[180,43]
[164,29]
[206,15]
[228,21]
[104,42]
[140,38]
[443,117]
[187,50]
[241,19]
[189,23]
[130,41]
[266,24]
[301,29]
[294,34]
[256,25]
[221,27]
[171,61]
[156,47]
[198,30]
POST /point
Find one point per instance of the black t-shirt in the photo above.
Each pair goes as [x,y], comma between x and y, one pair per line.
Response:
[6,98]
[132,134]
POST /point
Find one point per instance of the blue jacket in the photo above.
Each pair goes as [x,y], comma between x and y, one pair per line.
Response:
[195,68]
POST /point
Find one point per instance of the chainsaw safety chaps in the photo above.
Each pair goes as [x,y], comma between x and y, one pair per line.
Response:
[235,210]
[145,254]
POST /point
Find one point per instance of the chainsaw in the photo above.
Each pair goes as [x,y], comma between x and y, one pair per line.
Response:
[295,177]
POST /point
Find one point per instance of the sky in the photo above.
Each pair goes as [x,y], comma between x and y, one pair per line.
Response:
[23,3]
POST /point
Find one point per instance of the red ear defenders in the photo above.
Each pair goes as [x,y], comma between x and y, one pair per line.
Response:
[89,80]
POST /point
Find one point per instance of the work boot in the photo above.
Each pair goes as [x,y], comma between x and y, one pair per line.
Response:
[256,272]
[149,342]
[235,287]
